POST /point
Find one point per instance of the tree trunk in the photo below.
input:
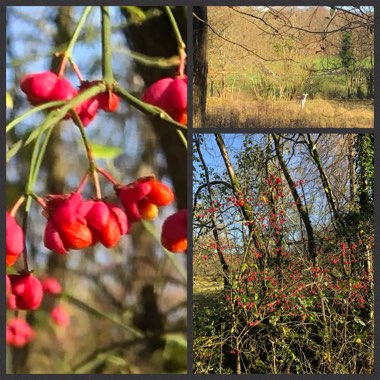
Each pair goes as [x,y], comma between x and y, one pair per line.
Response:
[351,164]
[245,207]
[325,181]
[200,66]
[225,266]
[297,199]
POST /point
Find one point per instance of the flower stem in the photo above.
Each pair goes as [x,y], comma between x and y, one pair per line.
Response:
[180,43]
[107,175]
[67,55]
[82,183]
[23,116]
[17,205]
[39,200]
[90,156]
[98,313]
[76,70]
[106,47]
[182,138]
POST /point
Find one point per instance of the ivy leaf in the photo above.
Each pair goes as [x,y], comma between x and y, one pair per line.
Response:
[106,152]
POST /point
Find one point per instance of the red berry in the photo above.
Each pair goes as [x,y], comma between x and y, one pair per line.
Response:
[106,221]
[170,94]
[60,316]
[110,235]
[39,86]
[18,332]
[46,87]
[76,235]
[51,285]
[108,101]
[27,290]
[120,217]
[87,110]
[66,227]
[160,194]
[131,194]
[14,240]
[11,302]
[63,90]
[52,238]
[142,197]
[174,232]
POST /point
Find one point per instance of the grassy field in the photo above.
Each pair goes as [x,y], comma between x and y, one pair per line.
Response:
[239,112]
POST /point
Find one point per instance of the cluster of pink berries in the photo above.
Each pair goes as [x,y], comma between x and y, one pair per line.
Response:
[46,87]
[75,223]
[25,292]
[170,94]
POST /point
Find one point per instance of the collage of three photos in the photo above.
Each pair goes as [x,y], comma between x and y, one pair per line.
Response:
[190,189]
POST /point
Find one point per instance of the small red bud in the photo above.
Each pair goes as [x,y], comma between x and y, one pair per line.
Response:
[60,316]
[18,332]
[51,285]
[14,240]
[27,290]
[174,232]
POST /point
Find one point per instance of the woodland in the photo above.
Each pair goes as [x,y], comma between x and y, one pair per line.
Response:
[125,306]
[256,61]
[283,238]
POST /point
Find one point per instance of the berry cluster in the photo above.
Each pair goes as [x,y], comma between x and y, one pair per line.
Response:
[26,292]
[46,87]
[75,223]
[170,94]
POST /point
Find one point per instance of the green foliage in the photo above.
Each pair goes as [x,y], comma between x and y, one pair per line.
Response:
[105,151]
[346,53]
[280,312]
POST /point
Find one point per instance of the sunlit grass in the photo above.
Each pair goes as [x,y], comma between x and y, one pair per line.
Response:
[238,112]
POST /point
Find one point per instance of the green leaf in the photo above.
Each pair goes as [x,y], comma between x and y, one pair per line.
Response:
[105,151]
[359,321]
[14,149]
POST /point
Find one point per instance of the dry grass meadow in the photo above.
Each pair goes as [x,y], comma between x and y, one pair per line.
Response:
[235,112]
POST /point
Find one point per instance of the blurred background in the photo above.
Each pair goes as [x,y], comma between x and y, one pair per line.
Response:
[135,284]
